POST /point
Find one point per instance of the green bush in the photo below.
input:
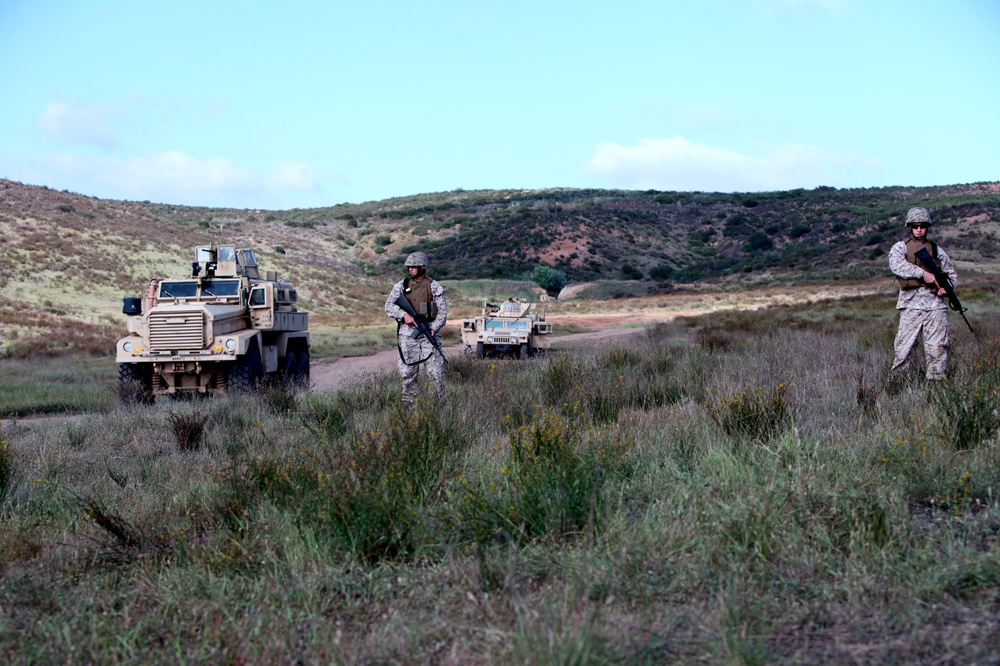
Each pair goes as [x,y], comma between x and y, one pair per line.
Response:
[365,489]
[548,278]
[551,483]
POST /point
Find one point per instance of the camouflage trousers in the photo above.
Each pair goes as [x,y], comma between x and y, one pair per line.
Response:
[934,326]
[415,350]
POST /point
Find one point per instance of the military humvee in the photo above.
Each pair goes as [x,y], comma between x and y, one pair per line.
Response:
[513,327]
[225,328]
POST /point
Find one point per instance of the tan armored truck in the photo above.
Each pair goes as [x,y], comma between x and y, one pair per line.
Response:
[225,328]
[512,327]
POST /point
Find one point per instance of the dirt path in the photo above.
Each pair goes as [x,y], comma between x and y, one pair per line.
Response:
[641,313]
[351,370]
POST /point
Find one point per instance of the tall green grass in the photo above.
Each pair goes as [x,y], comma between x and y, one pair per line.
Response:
[675,500]
[55,384]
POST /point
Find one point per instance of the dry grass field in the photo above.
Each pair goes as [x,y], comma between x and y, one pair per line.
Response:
[739,482]
[743,487]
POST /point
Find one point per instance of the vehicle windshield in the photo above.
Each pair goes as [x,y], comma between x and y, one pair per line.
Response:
[186,289]
[220,288]
[517,324]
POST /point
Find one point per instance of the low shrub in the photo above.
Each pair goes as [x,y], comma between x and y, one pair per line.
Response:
[8,470]
[754,414]
[551,484]
[188,429]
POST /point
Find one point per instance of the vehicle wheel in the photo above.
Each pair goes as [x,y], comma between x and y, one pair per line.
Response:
[291,375]
[523,351]
[246,374]
[480,350]
[135,383]
[303,378]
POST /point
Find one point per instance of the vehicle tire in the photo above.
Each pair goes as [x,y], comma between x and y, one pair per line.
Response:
[292,374]
[480,350]
[303,379]
[135,383]
[523,351]
[246,374]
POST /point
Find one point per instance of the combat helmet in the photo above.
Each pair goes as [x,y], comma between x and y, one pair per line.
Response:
[418,259]
[918,216]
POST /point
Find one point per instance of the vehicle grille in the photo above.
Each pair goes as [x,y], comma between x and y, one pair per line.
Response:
[503,340]
[176,331]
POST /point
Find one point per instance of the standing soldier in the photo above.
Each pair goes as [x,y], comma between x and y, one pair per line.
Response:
[921,303]
[427,298]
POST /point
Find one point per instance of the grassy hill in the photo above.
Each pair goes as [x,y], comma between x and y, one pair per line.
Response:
[70,258]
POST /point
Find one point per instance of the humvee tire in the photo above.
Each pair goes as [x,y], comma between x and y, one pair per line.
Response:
[304,368]
[523,351]
[140,376]
[480,350]
[291,375]
[246,374]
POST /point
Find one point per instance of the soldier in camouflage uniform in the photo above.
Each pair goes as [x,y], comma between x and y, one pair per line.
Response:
[427,298]
[922,305]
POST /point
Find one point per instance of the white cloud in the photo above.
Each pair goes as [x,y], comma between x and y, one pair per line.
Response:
[81,122]
[291,176]
[174,177]
[678,164]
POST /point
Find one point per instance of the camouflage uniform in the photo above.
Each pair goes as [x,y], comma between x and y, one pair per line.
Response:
[418,351]
[921,309]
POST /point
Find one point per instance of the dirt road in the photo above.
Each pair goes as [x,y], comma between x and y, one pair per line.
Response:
[350,370]
[638,315]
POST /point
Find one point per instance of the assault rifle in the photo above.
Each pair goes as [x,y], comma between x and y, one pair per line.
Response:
[942,279]
[422,327]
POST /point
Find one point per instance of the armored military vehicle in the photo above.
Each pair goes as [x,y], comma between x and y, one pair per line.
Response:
[514,327]
[224,328]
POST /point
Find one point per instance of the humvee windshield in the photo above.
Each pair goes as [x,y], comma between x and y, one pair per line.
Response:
[185,289]
[492,324]
[220,288]
[189,288]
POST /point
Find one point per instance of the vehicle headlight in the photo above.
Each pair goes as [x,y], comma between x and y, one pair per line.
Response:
[127,346]
[230,344]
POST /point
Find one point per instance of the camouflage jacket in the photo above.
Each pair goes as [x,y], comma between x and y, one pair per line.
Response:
[921,298]
[440,302]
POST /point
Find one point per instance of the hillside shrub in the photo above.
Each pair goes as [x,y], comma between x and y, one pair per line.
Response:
[661,272]
[630,272]
[757,242]
[548,278]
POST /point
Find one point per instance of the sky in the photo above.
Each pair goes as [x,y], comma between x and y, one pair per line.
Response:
[307,103]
